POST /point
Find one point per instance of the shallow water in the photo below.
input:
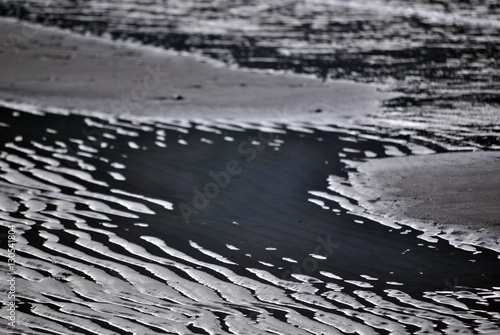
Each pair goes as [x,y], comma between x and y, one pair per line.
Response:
[441,56]
[103,246]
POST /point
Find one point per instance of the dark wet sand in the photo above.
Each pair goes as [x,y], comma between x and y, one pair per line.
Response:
[268,199]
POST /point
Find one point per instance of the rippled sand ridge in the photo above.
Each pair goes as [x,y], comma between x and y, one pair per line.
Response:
[103,247]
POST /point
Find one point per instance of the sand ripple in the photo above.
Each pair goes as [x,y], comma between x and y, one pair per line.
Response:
[97,255]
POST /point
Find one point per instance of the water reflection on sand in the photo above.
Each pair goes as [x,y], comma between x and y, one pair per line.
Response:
[274,250]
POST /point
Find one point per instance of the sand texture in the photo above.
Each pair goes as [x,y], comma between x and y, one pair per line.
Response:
[459,190]
[50,67]
[136,209]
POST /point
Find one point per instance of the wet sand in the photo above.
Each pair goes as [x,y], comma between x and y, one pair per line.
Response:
[50,67]
[99,208]
[457,191]
[104,247]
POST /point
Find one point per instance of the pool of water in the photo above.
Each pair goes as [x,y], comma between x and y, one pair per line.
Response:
[128,226]
[440,56]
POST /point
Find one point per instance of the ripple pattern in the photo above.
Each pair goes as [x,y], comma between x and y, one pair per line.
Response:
[101,255]
[440,56]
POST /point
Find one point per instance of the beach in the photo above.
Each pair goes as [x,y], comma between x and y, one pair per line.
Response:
[154,191]
[455,194]
[53,68]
